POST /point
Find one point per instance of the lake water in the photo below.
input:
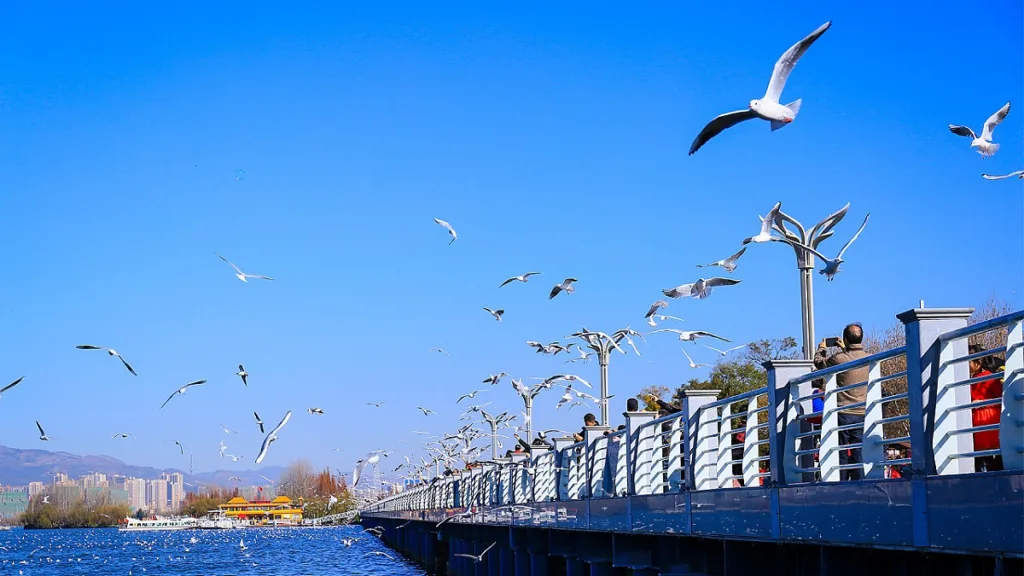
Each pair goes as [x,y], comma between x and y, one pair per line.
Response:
[106,552]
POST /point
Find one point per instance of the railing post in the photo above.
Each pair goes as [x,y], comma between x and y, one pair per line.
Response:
[562,465]
[692,402]
[635,445]
[593,462]
[1012,418]
[705,457]
[930,419]
[872,452]
[519,478]
[785,411]
[538,486]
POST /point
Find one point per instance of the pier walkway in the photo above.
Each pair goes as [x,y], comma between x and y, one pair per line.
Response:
[688,494]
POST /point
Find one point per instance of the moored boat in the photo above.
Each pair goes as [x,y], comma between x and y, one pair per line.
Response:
[155,524]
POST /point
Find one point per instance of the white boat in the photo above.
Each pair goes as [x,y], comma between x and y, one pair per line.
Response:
[150,525]
[217,520]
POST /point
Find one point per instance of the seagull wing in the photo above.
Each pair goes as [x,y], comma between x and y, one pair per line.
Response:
[257,276]
[771,218]
[962,131]
[673,330]
[230,262]
[11,385]
[716,282]
[654,308]
[555,291]
[89,347]
[1018,174]
[720,123]
[360,464]
[510,280]
[169,398]
[682,290]
[287,416]
[41,433]
[528,274]
[788,60]
[710,335]
[859,230]
[993,121]
[126,365]
[737,255]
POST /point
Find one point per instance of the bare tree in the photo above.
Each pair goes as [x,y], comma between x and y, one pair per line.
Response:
[658,391]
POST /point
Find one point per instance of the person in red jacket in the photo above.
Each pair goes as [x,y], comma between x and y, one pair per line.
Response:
[985,390]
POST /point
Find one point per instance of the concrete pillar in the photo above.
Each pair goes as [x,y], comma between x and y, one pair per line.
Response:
[593,468]
[783,436]
[600,568]
[428,545]
[692,402]
[507,562]
[492,563]
[646,572]
[522,562]
[562,474]
[538,564]
[634,420]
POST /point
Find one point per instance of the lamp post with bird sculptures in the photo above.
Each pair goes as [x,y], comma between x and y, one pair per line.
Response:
[602,344]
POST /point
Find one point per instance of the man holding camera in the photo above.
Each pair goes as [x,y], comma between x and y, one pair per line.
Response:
[851,348]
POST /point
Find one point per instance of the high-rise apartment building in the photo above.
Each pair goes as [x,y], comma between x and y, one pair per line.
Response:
[157,495]
[136,493]
[35,488]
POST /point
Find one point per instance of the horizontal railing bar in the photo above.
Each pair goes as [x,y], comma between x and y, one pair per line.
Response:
[851,365]
[982,326]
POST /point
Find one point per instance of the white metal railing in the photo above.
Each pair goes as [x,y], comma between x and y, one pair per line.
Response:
[697,449]
[960,397]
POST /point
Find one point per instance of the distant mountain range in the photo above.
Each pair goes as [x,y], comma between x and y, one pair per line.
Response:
[19,467]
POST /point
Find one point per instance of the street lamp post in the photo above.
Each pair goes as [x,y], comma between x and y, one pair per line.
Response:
[805,264]
[602,344]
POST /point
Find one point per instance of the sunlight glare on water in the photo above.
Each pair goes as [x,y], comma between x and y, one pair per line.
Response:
[292,551]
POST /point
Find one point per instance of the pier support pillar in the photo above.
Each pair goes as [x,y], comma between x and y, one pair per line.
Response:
[646,572]
[600,568]
[493,562]
[538,564]
[427,545]
[507,562]
[522,563]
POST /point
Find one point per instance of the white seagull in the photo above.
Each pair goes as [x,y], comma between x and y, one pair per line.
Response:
[566,286]
[242,275]
[700,289]
[272,436]
[493,379]
[11,385]
[243,375]
[478,558]
[662,317]
[1019,174]
[378,552]
[765,235]
[426,411]
[258,421]
[469,395]
[832,265]
[440,350]
[449,227]
[729,264]
[768,107]
[654,308]
[690,335]
[120,435]
[376,404]
[226,429]
[42,435]
[182,390]
[496,313]
[984,142]
[524,278]
[315,411]
[692,363]
[111,352]
[726,351]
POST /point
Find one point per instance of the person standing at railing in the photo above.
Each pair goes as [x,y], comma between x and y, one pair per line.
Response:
[588,420]
[985,390]
[851,348]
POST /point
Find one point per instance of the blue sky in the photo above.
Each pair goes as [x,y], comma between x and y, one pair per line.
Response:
[554,138]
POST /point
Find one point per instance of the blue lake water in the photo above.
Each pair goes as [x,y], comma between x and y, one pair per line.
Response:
[291,551]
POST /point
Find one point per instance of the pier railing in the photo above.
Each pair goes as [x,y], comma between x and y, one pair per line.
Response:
[772,436]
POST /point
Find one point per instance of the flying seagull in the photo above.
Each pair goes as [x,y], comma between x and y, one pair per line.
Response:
[566,286]
[315,411]
[984,142]
[449,227]
[120,435]
[42,435]
[182,390]
[376,404]
[690,335]
[765,235]
[496,313]
[768,107]
[440,350]
[726,351]
[180,447]
[11,385]
[729,264]
[243,375]
[832,265]
[524,278]
[700,289]
[360,464]
[469,395]
[226,429]
[478,558]
[654,308]
[1019,174]
[272,436]
[493,379]
[111,352]
[258,421]
[426,411]
[379,553]
[242,275]
[692,363]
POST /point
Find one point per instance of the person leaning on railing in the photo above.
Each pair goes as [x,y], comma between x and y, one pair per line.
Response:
[851,348]
[986,415]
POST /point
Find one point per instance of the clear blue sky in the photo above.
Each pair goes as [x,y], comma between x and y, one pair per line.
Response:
[554,138]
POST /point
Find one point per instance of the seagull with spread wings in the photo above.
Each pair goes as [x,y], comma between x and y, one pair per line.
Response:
[1019,174]
[654,308]
[832,264]
[771,219]
[272,437]
[440,350]
[182,390]
[566,286]
[243,375]
[690,335]
[984,142]
[111,352]
[242,275]
[767,107]
[426,411]
[728,264]
[523,278]
[42,435]
[468,395]
[11,385]
[700,289]
[477,558]
[258,421]
[726,351]
[692,363]
[496,313]
[493,379]
[449,228]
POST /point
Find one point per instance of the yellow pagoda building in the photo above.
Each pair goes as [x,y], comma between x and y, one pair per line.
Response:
[280,511]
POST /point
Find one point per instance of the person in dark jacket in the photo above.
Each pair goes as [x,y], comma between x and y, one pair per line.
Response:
[588,420]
